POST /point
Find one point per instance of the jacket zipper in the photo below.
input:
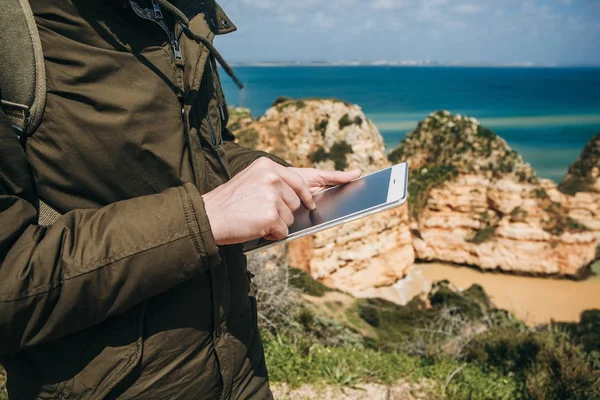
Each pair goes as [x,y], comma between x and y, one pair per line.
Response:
[159,19]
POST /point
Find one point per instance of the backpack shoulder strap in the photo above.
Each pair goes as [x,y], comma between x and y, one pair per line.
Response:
[22,70]
[23,77]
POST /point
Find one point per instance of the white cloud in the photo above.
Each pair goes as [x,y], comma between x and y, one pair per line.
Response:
[390,4]
[324,21]
[469,8]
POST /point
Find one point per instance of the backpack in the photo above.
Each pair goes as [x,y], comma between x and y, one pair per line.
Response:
[23,78]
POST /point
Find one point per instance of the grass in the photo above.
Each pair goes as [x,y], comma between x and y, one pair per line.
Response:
[302,281]
[300,362]
[418,343]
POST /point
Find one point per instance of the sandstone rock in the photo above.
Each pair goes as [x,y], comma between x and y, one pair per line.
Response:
[328,134]
[583,182]
[474,201]
[584,173]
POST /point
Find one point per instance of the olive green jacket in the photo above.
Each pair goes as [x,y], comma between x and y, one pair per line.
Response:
[127,295]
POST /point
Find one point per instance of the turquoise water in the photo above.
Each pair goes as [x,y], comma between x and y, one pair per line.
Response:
[547,114]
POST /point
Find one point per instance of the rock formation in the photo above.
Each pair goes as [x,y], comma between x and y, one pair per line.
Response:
[332,134]
[474,201]
[582,182]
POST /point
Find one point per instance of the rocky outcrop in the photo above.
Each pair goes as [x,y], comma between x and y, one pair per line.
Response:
[472,198]
[582,182]
[474,201]
[584,173]
[332,134]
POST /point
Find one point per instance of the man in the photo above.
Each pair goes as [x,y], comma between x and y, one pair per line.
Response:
[140,289]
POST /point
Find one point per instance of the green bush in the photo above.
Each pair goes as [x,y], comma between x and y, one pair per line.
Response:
[338,153]
[319,155]
[486,133]
[322,126]
[586,332]
[345,121]
[572,225]
[302,281]
[562,371]
[471,303]
[370,315]
[573,186]
[280,100]
[547,363]
[421,181]
[483,235]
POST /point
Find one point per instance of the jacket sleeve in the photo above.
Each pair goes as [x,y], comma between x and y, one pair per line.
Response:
[241,157]
[91,264]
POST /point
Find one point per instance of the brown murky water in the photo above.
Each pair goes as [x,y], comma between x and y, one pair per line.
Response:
[534,300]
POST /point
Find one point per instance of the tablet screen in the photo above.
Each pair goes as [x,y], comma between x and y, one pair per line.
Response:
[345,200]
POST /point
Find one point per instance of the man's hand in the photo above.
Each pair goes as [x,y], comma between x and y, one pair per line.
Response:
[260,200]
[318,180]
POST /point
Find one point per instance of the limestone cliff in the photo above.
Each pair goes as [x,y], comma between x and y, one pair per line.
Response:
[474,201]
[472,198]
[332,134]
[584,173]
[582,181]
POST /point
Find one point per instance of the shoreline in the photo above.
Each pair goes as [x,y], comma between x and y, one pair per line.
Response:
[533,299]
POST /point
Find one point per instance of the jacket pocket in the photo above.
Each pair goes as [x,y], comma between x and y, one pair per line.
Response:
[86,365]
[113,351]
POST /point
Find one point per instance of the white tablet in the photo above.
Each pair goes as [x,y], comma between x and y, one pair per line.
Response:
[364,196]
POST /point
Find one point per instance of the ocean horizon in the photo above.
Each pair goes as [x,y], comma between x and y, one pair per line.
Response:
[546,114]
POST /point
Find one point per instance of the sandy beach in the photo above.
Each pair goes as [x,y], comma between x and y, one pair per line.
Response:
[535,300]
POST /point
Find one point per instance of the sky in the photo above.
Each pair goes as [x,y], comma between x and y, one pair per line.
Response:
[564,32]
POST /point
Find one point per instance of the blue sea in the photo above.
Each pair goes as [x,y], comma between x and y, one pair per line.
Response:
[546,114]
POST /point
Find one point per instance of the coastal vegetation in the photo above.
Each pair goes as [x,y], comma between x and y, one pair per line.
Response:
[347,121]
[337,154]
[283,102]
[423,180]
[322,126]
[451,344]
[460,141]
[583,173]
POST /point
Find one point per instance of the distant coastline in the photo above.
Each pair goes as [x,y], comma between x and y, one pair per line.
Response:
[405,63]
